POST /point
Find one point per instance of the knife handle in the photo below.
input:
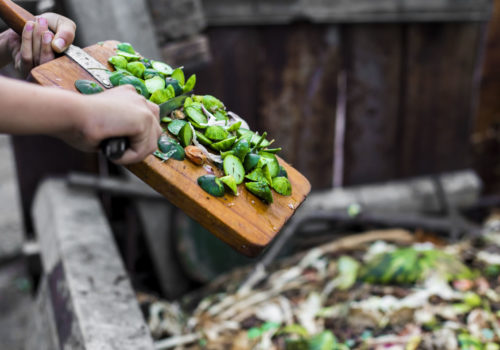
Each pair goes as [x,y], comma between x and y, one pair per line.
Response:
[113,148]
[14,15]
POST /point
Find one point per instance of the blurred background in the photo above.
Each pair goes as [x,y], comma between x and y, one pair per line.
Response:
[388,107]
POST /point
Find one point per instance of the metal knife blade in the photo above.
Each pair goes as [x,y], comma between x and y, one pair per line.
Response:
[90,64]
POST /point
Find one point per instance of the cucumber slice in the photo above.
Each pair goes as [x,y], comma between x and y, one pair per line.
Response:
[220,115]
[212,103]
[230,182]
[175,85]
[118,62]
[175,126]
[160,96]
[232,166]
[117,75]
[282,186]
[270,160]
[136,68]
[126,47]
[256,175]
[88,87]
[223,145]
[140,87]
[261,190]
[241,149]
[234,127]
[154,84]
[129,56]
[282,172]
[195,114]
[251,161]
[171,148]
[216,133]
[151,73]
[212,185]
[162,68]
[202,139]
[186,135]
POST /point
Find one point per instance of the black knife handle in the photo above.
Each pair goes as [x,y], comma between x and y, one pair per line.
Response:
[113,148]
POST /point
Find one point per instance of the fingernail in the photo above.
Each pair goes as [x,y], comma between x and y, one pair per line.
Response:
[47,37]
[29,26]
[42,21]
[60,43]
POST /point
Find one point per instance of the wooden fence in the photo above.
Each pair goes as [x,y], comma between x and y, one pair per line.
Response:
[389,85]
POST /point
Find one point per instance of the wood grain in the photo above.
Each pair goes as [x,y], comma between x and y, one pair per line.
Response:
[243,222]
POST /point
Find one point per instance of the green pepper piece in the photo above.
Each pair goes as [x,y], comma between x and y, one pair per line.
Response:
[212,103]
[234,127]
[160,96]
[162,68]
[202,139]
[267,174]
[241,149]
[216,133]
[186,135]
[230,182]
[224,154]
[261,190]
[169,146]
[251,161]
[212,185]
[272,150]
[126,47]
[270,160]
[187,102]
[242,131]
[88,87]
[166,120]
[175,126]
[118,62]
[197,98]
[232,166]
[130,57]
[190,83]
[195,114]
[282,186]
[154,84]
[136,68]
[178,75]
[256,175]
[151,73]
[140,87]
[175,85]
[224,145]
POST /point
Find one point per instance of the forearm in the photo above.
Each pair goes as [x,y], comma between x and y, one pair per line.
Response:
[27,108]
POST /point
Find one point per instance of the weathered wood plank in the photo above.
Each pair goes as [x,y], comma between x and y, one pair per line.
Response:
[230,12]
[441,62]
[373,57]
[297,95]
[87,286]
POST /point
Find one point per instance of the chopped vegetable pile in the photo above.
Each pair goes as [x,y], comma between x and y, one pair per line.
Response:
[200,128]
[380,290]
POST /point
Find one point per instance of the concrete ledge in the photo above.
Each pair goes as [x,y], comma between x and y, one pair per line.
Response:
[87,286]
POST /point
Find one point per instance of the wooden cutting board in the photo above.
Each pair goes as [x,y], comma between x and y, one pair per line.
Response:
[244,222]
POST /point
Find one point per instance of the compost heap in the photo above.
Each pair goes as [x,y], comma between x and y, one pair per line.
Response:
[378,290]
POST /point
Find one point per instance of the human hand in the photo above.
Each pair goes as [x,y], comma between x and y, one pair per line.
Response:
[38,43]
[119,112]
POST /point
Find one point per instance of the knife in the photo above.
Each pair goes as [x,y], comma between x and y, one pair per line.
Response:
[16,17]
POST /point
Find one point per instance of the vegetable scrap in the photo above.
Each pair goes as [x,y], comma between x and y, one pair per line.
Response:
[377,290]
[203,126]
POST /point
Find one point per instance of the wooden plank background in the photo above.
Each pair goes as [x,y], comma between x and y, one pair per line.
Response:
[410,93]
[230,12]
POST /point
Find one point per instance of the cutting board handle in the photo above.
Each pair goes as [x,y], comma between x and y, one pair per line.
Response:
[14,15]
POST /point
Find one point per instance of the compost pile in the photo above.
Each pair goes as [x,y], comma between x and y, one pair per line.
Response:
[377,290]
